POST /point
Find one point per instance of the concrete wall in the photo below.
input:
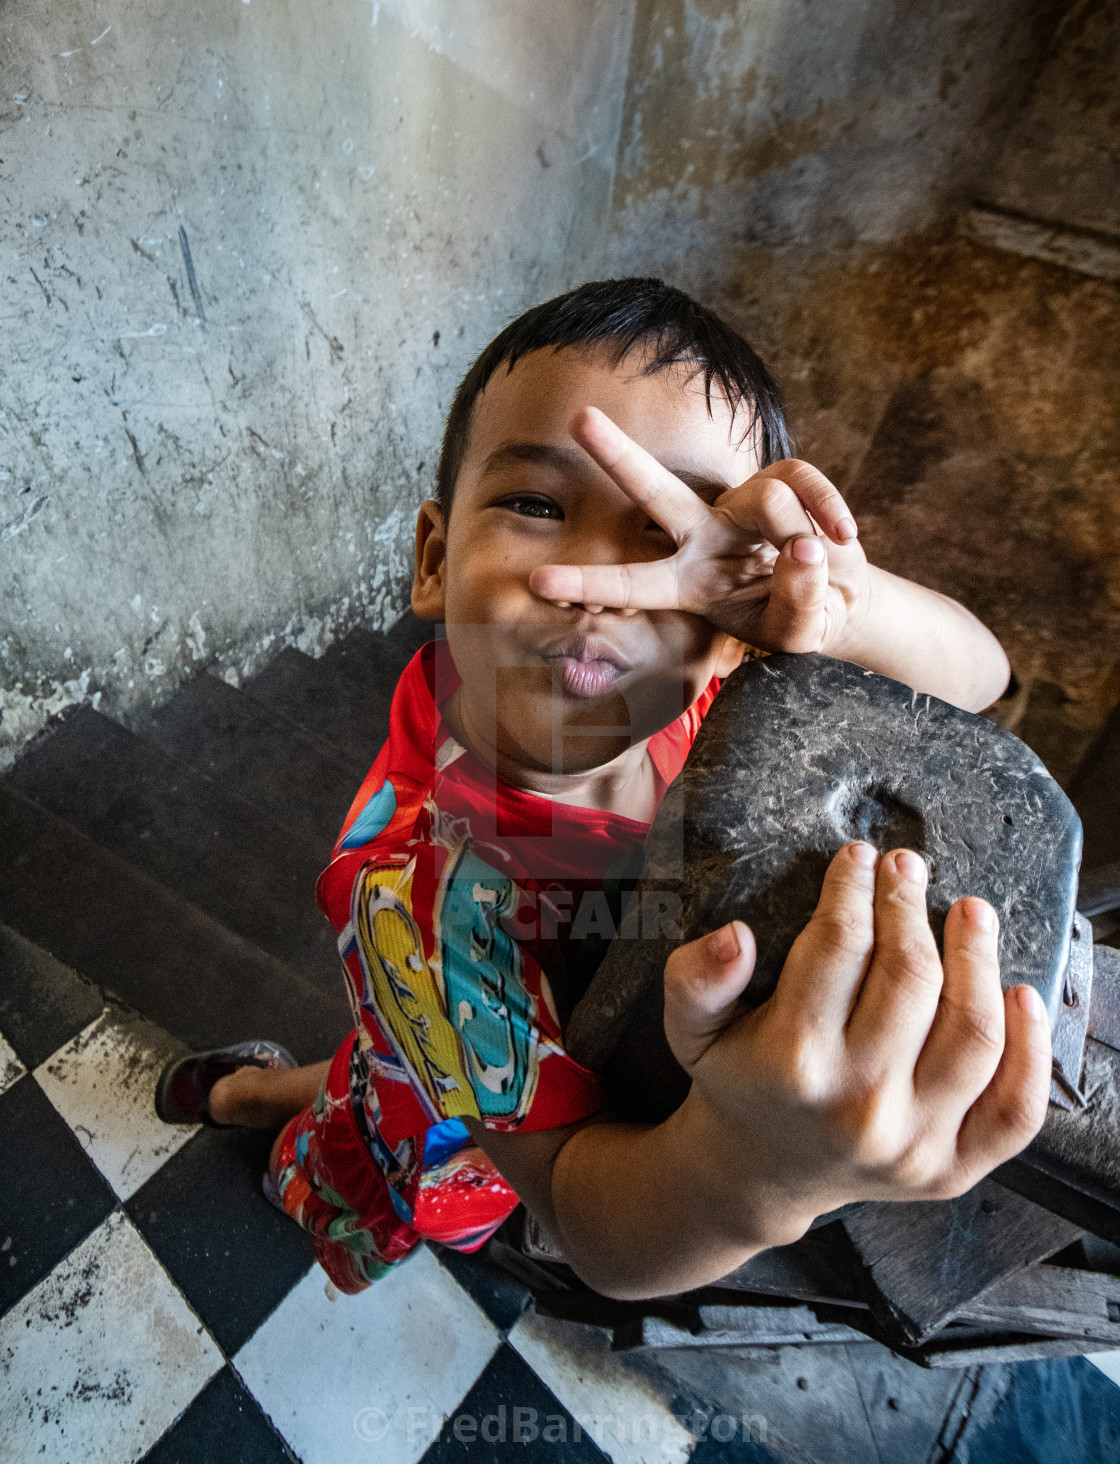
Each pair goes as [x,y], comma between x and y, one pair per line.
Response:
[1060,160]
[202,480]
[247,251]
[813,123]
[965,398]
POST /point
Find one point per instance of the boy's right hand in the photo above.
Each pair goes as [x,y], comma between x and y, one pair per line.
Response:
[753,562]
[873,1072]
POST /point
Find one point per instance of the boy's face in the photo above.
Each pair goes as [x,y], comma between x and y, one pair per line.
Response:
[550,689]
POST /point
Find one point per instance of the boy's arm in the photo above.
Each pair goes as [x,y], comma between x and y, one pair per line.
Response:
[872,1073]
[924,639]
[633,1207]
[628,1205]
[775,562]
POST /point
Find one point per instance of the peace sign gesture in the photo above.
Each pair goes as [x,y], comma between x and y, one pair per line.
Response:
[774,561]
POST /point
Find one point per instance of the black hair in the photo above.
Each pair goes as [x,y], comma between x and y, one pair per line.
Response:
[669,326]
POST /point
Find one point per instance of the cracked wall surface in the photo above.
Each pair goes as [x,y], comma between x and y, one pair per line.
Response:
[248,250]
[816,186]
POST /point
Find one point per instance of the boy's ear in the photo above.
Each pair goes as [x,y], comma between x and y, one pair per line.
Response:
[428,588]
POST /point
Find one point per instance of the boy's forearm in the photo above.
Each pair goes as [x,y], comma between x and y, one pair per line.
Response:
[651,1211]
[925,640]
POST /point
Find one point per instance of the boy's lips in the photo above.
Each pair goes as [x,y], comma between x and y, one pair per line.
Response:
[588,664]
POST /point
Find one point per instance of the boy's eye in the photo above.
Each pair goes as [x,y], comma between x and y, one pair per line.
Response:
[533,505]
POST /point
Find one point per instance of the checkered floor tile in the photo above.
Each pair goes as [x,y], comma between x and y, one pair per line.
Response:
[10,1066]
[102,1083]
[101,1356]
[391,1362]
[154,1306]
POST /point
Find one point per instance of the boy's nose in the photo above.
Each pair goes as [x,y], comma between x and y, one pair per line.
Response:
[604,543]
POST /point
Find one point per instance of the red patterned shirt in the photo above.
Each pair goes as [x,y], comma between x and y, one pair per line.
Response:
[469,916]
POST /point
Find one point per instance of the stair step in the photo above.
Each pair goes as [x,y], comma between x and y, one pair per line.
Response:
[345,696]
[261,757]
[42,1002]
[324,700]
[170,821]
[151,948]
[369,654]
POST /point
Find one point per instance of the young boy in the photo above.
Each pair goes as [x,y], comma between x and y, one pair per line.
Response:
[617,518]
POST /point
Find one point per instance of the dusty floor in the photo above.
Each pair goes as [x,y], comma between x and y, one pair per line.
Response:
[168,1313]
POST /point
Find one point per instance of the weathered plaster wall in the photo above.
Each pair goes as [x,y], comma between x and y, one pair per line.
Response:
[247,250]
[205,479]
[1061,158]
[969,403]
[814,123]
[966,399]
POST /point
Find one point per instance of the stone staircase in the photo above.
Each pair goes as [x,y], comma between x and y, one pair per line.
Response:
[175,865]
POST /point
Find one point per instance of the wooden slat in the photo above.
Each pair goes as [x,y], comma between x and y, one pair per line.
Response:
[1053,1300]
[819,1267]
[739,1327]
[926,1260]
[1005,1348]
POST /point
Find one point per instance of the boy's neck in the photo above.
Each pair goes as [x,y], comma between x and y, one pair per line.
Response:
[627,785]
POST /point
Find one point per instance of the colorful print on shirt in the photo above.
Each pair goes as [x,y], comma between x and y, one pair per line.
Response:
[460,903]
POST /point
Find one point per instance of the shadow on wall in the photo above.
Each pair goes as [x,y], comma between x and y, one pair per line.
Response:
[253,259]
[966,401]
[877,195]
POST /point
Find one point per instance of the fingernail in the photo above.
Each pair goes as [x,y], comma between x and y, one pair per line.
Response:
[864,854]
[982,915]
[808,550]
[910,866]
[846,529]
[724,943]
[1031,1002]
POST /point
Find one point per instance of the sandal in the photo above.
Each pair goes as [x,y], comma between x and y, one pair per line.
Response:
[183,1090]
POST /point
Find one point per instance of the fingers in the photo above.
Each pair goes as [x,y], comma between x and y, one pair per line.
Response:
[645,585]
[826,964]
[898,998]
[818,495]
[1011,1109]
[966,1040]
[653,585]
[795,618]
[703,982]
[641,477]
[783,503]
[764,507]
[678,509]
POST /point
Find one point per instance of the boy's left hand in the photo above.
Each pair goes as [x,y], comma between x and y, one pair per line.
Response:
[774,562]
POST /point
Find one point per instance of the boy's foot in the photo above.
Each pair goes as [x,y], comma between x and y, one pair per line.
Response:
[183,1090]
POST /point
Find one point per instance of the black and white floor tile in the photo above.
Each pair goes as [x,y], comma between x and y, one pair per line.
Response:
[154,1306]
